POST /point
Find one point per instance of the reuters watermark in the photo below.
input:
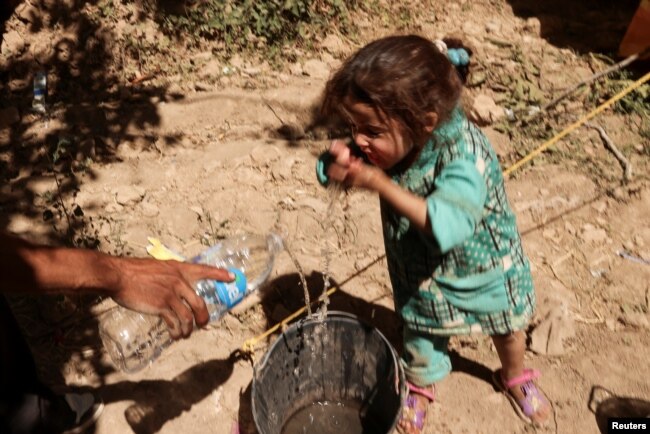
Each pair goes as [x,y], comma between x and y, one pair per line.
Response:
[628,425]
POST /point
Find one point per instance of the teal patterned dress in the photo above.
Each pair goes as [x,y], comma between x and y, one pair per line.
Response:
[472,275]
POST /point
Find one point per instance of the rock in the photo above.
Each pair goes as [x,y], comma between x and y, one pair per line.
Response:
[43,51]
[251,72]
[12,44]
[316,68]
[175,89]
[549,336]
[500,142]
[485,111]
[612,324]
[128,195]
[149,209]
[296,69]
[533,25]
[282,169]
[212,68]
[265,154]
[493,27]
[592,234]
[8,117]
[27,13]
[113,208]
[333,44]
[200,86]
[600,206]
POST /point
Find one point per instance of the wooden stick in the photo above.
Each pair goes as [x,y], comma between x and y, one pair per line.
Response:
[623,63]
[627,166]
[615,67]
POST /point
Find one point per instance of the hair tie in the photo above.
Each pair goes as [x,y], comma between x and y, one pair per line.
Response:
[458,56]
[440,45]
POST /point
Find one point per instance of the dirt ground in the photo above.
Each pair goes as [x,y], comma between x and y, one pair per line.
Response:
[128,152]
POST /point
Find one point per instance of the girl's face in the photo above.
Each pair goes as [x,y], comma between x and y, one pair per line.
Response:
[379,137]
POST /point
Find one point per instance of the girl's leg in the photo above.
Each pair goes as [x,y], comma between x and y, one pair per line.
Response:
[511,349]
[425,362]
[425,358]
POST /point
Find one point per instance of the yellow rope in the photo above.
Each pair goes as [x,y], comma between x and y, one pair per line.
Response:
[576,125]
[249,345]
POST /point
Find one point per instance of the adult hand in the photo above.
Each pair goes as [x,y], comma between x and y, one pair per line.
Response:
[165,288]
[351,170]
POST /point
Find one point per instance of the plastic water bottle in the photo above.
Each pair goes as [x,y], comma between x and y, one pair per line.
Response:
[134,340]
[40,91]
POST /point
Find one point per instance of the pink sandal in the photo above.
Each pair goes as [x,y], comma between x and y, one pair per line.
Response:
[410,412]
[534,397]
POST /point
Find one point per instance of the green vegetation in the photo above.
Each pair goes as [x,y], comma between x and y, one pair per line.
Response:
[243,24]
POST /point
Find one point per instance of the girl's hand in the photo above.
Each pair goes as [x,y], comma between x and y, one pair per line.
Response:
[350,170]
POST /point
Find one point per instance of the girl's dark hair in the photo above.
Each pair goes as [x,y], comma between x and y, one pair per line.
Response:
[404,77]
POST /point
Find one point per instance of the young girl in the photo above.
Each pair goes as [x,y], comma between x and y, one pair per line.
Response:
[454,252]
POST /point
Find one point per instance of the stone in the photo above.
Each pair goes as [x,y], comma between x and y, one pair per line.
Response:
[282,169]
[28,13]
[533,25]
[485,111]
[12,43]
[493,27]
[43,51]
[201,86]
[549,336]
[333,44]
[212,68]
[592,234]
[251,72]
[296,69]
[600,206]
[149,209]
[128,195]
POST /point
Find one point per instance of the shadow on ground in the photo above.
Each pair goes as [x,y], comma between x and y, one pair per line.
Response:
[582,25]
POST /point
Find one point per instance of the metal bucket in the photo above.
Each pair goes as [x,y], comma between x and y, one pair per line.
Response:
[340,360]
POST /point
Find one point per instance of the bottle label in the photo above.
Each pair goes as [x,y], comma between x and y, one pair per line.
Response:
[231,293]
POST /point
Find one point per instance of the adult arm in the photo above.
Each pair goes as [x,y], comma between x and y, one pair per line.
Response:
[150,286]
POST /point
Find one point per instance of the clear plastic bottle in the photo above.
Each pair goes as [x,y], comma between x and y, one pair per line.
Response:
[40,92]
[134,340]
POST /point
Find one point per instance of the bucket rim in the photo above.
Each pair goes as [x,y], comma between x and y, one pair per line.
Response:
[400,378]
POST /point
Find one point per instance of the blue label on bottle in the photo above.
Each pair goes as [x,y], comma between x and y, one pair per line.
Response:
[231,293]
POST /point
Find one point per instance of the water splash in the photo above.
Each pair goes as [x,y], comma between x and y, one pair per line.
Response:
[303,281]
